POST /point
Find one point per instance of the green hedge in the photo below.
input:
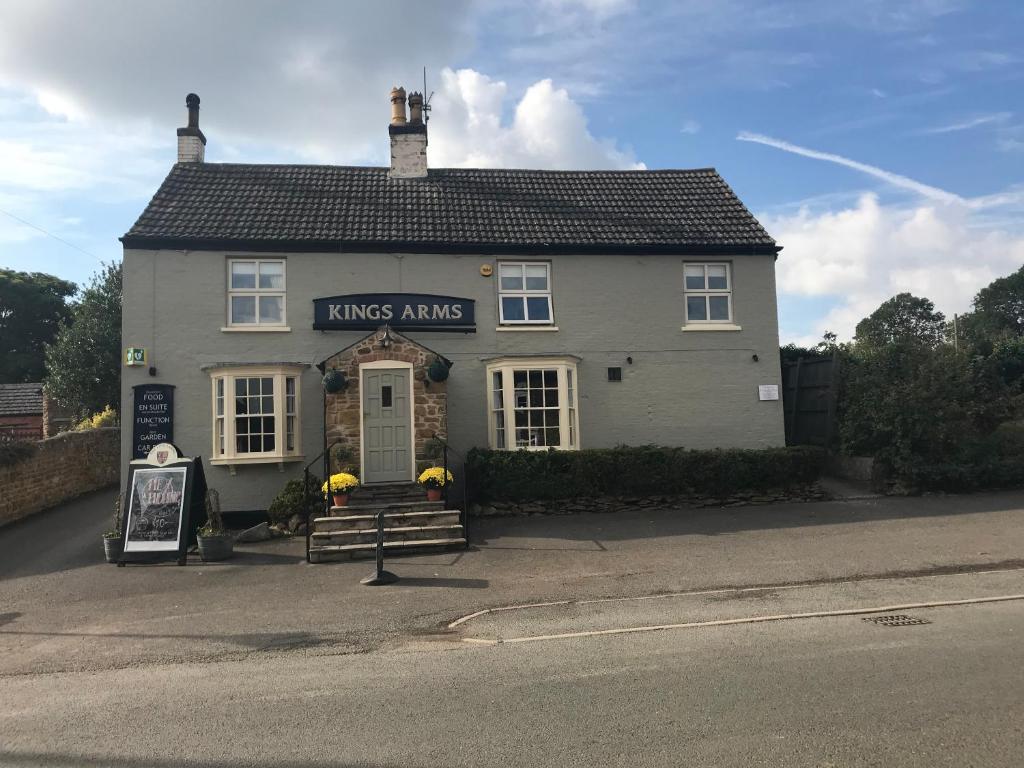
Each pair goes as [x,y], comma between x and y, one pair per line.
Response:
[636,471]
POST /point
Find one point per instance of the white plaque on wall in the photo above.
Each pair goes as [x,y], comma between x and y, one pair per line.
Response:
[768,391]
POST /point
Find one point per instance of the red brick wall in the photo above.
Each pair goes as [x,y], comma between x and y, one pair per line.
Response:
[65,466]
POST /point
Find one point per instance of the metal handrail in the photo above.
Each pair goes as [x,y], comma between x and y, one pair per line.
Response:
[305,490]
[464,512]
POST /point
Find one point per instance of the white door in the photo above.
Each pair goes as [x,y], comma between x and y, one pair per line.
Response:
[387,426]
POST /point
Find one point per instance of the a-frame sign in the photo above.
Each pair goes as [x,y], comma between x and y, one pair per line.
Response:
[165,504]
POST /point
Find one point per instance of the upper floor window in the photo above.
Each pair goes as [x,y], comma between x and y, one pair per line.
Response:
[256,292]
[533,405]
[524,293]
[708,290]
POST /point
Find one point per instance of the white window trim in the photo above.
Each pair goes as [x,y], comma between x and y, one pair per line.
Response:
[257,292]
[526,293]
[378,364]
[507,366]
[278,373]
[727,324]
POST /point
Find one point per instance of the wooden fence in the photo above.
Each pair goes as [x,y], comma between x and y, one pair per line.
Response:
[809,400]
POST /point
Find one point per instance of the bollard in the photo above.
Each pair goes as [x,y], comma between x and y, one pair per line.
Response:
[380,577]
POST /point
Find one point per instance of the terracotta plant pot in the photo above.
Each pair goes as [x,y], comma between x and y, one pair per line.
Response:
[340,499]
[112,548]
[433,494]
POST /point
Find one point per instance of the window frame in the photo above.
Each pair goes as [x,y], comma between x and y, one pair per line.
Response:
[568,402]
[706,293]
[223,414]
[525,294]
[257,292]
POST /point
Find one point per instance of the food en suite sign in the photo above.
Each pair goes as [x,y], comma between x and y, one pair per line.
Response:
[408,311]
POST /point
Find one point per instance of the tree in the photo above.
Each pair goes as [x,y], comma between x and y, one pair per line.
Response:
[32,307]
[84,361]
[903,319]
[998,312]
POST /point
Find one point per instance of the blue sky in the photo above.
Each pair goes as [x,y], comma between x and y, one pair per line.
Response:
[881,143]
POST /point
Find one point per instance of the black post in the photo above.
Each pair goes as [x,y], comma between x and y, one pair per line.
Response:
[305,507]
[380,577]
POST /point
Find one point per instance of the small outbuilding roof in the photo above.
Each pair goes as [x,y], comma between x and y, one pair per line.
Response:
[21,399]
[330,208]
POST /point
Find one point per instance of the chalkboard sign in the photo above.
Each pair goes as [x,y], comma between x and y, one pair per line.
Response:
[152,417]
[164,505]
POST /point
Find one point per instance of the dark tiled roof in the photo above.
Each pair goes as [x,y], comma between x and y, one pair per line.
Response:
[21,399]
[206,205]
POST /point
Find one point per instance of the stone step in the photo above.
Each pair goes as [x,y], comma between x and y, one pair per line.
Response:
[316,553]
[367,522]
[391,534]
[366,507]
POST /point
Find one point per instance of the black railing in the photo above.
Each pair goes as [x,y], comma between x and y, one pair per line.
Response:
[306,505]
[460,478]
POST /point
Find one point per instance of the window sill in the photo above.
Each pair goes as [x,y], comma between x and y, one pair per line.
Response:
[711,327]
[256,329]
[232,464]
[525,327]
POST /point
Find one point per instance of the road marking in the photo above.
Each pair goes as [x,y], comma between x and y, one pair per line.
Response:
[720,591]
[744,620]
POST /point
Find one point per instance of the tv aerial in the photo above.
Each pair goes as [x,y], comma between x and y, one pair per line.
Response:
[426,99]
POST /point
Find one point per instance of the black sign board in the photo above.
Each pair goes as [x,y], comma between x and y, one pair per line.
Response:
[401,311]
[152,417]
[165,503]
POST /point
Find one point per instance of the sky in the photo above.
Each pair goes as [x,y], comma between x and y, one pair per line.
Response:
[880,142]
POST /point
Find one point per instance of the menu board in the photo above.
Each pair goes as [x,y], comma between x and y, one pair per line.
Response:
[156,509]
[152,417]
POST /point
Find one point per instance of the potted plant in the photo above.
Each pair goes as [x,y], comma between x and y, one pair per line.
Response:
[113,544]
[434,479]
[339,486]
[215,543]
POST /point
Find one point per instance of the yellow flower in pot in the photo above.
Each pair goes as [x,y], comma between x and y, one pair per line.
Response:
[339,486]
[434,480]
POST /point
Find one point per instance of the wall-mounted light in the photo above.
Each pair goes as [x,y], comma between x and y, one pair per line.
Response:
[629,360]
[754,357]
[386,340]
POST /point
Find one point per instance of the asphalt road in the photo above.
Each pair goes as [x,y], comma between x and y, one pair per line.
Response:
[815,692]
[267,661]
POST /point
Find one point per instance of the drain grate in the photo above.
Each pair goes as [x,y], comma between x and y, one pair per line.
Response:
[896,620]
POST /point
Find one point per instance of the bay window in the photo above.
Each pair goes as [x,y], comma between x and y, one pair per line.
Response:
[533,404]
[255,414]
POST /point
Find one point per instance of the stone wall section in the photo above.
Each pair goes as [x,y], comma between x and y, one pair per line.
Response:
[430,398]
[61,468]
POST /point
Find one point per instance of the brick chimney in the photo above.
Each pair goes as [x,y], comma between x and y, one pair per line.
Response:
[191,142]
[408,137]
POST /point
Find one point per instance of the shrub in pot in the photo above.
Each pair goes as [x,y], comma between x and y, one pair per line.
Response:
[215,543]
[434,480]
[339,486]
[113,544]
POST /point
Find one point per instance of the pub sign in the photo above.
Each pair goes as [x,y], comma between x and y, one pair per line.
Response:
[401,311]
[152,417]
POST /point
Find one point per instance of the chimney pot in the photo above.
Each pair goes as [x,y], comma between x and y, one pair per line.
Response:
[398,106]
[415,108]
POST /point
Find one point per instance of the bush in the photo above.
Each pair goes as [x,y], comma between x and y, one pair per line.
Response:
[636,471]
[15,451]
[105,418]
[290,500]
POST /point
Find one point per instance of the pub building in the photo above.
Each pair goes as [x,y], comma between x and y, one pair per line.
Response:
[502,308]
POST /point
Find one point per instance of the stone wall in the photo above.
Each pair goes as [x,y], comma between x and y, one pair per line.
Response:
[62,467]
[430,398]
[811,492]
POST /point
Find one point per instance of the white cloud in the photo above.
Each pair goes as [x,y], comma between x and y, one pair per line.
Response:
[547,130]
[690,127]
[965,125]
[865,253]
[934,193]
